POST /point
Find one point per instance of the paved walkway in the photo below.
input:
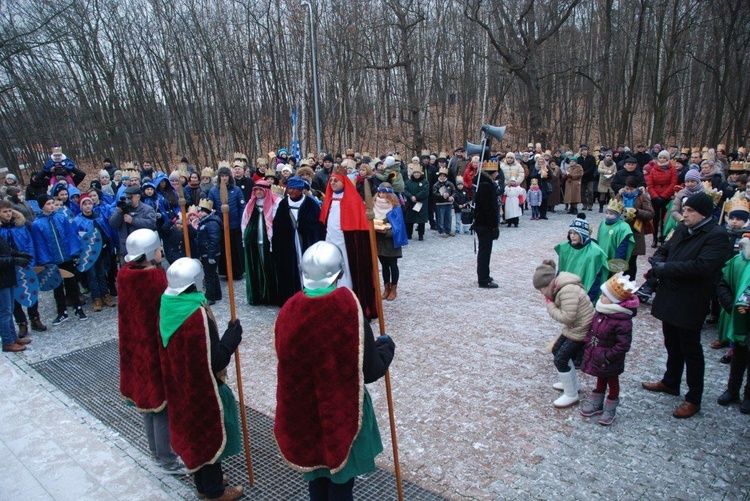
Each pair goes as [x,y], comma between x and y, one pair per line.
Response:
[472,390]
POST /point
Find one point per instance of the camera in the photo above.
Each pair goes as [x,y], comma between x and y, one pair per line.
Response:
[123,205]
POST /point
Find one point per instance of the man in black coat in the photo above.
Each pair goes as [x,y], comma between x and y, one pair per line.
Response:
[630,168]
[296,226]
[589,164]
[686,266]
[486,226]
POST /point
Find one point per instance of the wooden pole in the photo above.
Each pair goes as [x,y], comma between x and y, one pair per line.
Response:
[381,322]
[183,212]
[233,310]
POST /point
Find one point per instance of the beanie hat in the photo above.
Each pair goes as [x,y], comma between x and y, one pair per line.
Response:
[664,154]
[581,226]
[693,175]
[43,199]
[702,203]
[83,198]
[739,214]
[544,274]
[389,160]
[619,288]
[328,158]
[103,173]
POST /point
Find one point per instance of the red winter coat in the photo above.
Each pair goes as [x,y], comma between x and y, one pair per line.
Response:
[608,341]
[661,182]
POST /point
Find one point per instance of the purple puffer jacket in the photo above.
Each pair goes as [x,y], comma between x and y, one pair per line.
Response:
[608,341]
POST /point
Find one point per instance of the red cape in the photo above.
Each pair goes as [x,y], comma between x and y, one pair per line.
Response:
[138,301]
[196,420]
[320,391]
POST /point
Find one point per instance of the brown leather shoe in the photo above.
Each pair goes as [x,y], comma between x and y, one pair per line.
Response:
[13,347]
[23,329]
[23,341]
[97,304]
[37,325]
[719,344]
[659,386]
[107,300]
[224,482]
[231,493]
[685,410]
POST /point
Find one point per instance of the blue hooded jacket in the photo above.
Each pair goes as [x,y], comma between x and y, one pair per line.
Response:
[17,234]
[55,239]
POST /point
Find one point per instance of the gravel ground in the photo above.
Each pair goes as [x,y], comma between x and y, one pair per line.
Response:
[472,386]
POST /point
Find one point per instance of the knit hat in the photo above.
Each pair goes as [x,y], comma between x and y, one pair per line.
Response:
[43,199]
[702,203]
[664,154]
[693,175]
[83,198]
[544,274]
[581,226]
[103,173]
[619,288]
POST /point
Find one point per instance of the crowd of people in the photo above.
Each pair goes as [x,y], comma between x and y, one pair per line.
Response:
[297,229]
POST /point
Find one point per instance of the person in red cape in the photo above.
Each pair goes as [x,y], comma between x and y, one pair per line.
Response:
[346,226]
[140,284]
[203,414]
[325,425]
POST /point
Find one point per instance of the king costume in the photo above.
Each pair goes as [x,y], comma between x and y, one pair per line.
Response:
[296,227]
[257,229]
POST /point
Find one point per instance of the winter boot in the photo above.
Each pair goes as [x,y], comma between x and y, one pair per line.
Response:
[594,406]
[97,304]
[386,291]
[23,330]
[608,416]
[570,390]
[37,325]
[107,300]
[559,386]
[392,295]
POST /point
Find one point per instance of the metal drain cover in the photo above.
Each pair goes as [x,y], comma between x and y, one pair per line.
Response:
[91,377]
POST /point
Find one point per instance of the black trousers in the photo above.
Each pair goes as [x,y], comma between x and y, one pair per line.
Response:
[68,288]
[484,252]
[18,312]
[208,480]
[543,208]
[660,211]
[211,279]
[410,229]
[322,489]
[737,370]
[389,265]
[684,353]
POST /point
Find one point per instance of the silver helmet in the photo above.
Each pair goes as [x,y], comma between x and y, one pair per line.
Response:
[182,274]
[142,242]
[322,263]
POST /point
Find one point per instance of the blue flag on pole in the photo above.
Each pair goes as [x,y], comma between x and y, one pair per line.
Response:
[294,149]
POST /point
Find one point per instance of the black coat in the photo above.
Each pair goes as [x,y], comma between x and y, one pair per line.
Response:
[208,240]
[618,180]
[7,265]
[692,264]
[486,209]
[590,165]
[310,230]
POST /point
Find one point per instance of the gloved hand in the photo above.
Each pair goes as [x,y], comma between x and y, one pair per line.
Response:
[21,261]
[384,337]
[23,255]
[234,329]
[658,269]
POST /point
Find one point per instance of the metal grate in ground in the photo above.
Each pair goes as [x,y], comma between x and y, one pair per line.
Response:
[91,377]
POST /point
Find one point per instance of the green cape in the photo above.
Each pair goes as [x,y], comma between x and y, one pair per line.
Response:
[669,224]
[586,262]
[609,237]
[174,310]
[734,326]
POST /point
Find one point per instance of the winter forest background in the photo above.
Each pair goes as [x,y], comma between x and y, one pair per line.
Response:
[158,79]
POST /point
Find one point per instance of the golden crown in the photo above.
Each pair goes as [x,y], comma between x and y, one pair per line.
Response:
[206,203]
[737,202]
[224,163]
[619,287]
[715,194]
[615,205]
[491,166]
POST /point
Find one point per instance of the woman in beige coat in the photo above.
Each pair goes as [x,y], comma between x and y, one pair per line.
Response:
[607,169]
[573,186]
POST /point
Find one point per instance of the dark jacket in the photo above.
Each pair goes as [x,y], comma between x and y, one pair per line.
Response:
[143,217]
[608,341]
[17,234]
[8,266]
[618,180]
[208,240]
[589,164]
[420,190]
[487,209]
[235,200]
[691,265]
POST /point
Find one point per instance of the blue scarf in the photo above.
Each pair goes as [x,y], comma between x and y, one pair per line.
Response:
[628,199]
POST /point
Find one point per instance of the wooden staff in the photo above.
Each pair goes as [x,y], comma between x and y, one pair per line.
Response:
[233,310]
[381,321]
[183,212]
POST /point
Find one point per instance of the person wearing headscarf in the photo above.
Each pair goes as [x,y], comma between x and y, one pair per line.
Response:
[296,226]
[346,226]
[257,233]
